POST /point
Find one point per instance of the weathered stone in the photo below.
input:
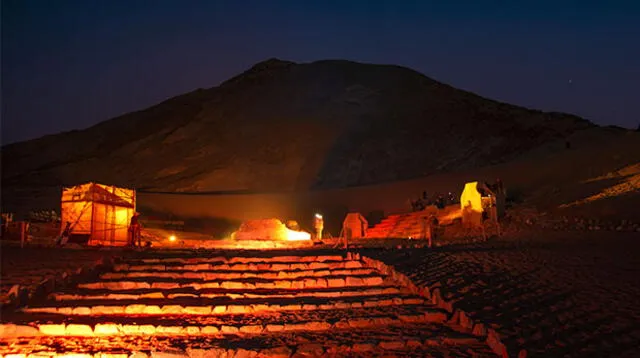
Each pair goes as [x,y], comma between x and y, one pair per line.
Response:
[197,310]
[310,283]
[172,309]
[244,353]
[67,311]
[229,329]
[210,330]
[169,330]
[168,355]
[280,267]
[317,326]
[239,309]
[78,330]
[52,329]
[360,322]
[370,304]
[266,285]
[354,281]
[164,285]
[318,266]
[260,308]
[192,330]
[12,330]
[363,347]
[278,352]
[152,295]
[147,329]
[232,285]
[152,310]
[283,284]
[106,329]
[373,281]
[413,301]
[309,350]
[251,329]
[479,329]
[274,328]
[336,282]
[134,309]
[392,345]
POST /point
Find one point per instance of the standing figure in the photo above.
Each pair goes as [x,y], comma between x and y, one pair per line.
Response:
[318,225]
[134,230]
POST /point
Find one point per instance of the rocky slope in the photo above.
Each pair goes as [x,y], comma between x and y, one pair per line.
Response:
[287,126]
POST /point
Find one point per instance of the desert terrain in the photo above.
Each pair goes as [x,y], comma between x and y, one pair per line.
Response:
[561,280]
[546,291]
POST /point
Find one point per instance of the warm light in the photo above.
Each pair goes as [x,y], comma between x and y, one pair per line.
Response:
[318,216]
[172,238]
[293,235]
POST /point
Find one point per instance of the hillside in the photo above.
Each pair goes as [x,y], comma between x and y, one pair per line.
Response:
[283,126]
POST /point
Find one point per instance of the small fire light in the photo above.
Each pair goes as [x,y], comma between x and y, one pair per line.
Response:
[318,216]
[172,238]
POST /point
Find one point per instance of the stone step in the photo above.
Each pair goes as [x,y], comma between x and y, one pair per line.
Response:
[196,306]
[110,329]
[239,259]
[225,294]
[409,339]
[244,284]
[44,324]
[251,266]
[230,275]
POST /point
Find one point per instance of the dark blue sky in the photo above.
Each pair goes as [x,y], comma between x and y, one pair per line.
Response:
[70,64]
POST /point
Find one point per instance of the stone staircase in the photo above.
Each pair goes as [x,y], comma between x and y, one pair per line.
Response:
[410,225]
[260,304]
[407,225]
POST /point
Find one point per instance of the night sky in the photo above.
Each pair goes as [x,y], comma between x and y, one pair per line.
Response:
[70,64]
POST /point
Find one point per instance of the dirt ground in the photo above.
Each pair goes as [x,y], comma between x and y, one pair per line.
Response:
[552,293]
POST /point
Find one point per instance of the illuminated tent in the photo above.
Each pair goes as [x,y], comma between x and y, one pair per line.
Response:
[99,214]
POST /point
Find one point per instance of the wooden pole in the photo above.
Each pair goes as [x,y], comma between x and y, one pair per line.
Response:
[23,233]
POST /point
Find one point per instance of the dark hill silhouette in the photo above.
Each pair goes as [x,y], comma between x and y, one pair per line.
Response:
[287,126]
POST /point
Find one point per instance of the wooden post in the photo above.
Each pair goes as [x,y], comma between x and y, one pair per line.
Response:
[23,233]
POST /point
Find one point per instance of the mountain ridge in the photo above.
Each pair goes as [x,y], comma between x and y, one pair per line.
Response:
[282,125]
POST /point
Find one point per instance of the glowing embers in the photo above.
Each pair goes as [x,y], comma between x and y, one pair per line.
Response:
[268,230]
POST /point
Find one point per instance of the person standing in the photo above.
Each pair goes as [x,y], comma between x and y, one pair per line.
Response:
[134,230]
[318,225]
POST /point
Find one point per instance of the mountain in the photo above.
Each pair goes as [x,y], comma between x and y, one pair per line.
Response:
[284,126]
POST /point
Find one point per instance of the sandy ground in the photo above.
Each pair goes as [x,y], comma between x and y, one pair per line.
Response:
[552,293]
